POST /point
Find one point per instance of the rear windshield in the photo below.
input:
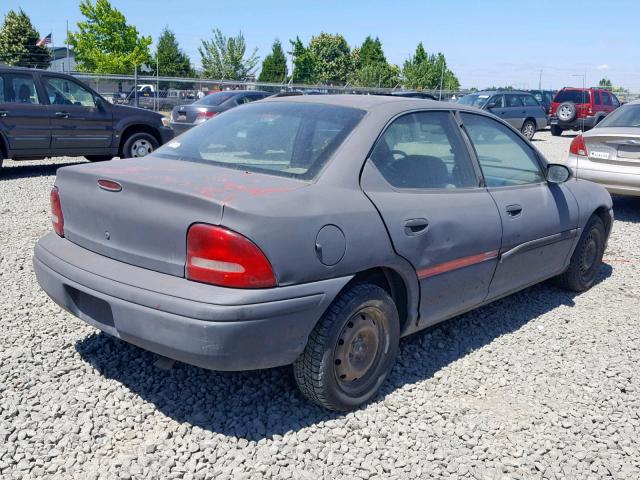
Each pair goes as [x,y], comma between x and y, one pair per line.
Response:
[214,99]
[625,116]
[286,139]
[474,100]
[575,96]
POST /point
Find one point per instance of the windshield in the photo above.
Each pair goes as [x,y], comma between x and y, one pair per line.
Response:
[625,116]
[214,99]
[474,100]
[575,96]
[287,139]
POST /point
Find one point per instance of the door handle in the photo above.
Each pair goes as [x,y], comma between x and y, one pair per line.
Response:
[62,114]
[415,226]
[4,113]
[514,210]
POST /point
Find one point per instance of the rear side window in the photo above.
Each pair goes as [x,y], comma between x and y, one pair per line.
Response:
[513,101]
[529,101]
[18,89]
[596,100]
[287,139]
[424,150]
[505,159]
[575,96]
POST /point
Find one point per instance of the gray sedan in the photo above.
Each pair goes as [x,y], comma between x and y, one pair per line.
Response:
[609,154]
[316,231]
[519,109]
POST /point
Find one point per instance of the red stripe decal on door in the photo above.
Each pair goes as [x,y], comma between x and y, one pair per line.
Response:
[456,264]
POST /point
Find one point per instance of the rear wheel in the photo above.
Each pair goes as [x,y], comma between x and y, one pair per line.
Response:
[139,145]
[556,131]
[351,350]
[98,158]
[586,259]
[528,129]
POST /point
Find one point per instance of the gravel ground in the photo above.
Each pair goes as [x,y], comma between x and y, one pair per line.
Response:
[542,384]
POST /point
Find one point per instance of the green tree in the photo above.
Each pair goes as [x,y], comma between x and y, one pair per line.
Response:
[304,63]
[224,57]
[371,52]
[105,43]
[423,71]
[274,65]
[169,58]
[606,84]
[18,40]
[333,59]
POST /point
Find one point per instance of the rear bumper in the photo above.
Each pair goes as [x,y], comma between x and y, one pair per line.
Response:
[619,183]
[575,124]
[204,325]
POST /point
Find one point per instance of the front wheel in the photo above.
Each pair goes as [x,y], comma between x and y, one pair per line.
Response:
[528,129]
[139,145]
[586,259]
[351,350]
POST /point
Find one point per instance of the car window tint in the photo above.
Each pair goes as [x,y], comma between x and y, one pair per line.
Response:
[424,150]
[504,157]
[606,99]
[287,139]
[498,100]
[529,101]
[62,91]
[513,101]
[596,97]
[575,96]
[18,89]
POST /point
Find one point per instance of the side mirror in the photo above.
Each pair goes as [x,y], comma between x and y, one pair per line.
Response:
[491,106]
[558,173]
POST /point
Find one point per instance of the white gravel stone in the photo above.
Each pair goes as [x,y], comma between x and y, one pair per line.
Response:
[542,384]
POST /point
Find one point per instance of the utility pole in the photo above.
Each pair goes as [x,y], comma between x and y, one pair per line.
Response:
[540,81]
[441,80]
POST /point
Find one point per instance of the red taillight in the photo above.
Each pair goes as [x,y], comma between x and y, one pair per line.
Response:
[202,116]
[56,212]
[221,257]
[578,147]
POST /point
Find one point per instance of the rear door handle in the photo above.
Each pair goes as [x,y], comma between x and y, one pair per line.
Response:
[415,226]
[514,210]
[4,113]
[62,114]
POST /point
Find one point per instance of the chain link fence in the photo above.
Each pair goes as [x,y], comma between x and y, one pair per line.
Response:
[164,93]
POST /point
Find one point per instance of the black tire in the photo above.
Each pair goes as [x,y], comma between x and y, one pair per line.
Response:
[1,161]
[566,111]
[327,371]
[136,142]
[586,259]
[98,158]
[556,131]
[528,129]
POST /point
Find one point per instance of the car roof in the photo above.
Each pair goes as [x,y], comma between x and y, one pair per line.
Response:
[373,102]
[495,92]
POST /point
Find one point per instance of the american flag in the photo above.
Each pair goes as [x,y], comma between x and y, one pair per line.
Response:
[44,41]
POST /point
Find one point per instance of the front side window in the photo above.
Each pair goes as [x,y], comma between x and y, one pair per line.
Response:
[18,89]
[424,150]
[62,91]
[616,102]
[497,101]
[606,99]
[505,159]
[278,138]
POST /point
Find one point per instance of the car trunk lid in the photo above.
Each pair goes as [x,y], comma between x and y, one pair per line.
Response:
[144,222]
[620,147]
[189,113]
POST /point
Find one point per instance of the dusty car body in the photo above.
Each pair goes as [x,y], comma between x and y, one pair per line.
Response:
[386,217]
[609,154]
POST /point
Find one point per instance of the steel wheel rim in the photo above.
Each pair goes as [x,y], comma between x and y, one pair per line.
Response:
[589,258]
[359,348]
[141,148]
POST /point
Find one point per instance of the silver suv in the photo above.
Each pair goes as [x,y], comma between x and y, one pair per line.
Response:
[520,109]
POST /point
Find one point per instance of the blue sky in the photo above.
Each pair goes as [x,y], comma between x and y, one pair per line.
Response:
[493,42]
